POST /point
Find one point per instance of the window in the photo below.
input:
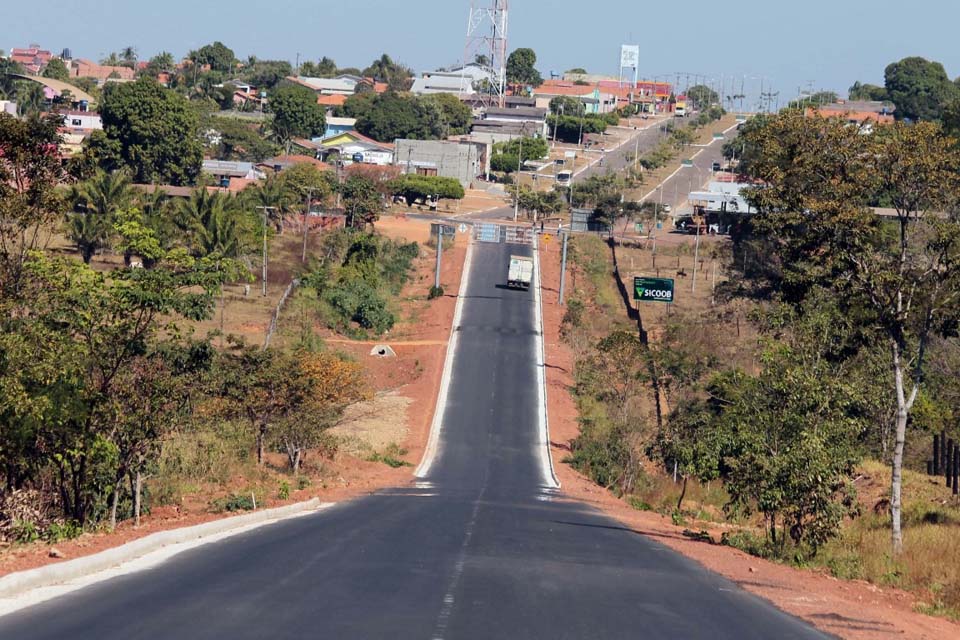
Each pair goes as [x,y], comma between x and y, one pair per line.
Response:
[76,122]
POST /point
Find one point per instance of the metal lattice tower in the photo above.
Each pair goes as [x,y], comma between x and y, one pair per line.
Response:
[487,41]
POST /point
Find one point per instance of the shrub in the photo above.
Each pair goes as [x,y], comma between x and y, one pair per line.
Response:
[234,502]
[435,292]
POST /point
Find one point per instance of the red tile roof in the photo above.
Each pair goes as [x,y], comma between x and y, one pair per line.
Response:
[331,101]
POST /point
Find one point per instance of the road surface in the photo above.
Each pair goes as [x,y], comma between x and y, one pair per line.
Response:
[482,549]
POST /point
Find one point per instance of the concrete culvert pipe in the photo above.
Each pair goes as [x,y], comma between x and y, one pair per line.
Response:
[383,351]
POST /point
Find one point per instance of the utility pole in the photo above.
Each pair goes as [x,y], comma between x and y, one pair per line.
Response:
[263,275]
[696,258]
[306,213]
[563,266]
[436,281]
[516,200]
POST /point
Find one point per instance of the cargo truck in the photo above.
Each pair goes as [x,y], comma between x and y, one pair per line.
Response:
[520,274]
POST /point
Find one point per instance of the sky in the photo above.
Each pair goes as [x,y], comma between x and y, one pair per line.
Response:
[823,44]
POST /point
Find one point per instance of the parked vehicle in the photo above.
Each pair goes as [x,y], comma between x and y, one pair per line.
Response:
[564,178]
[520,273]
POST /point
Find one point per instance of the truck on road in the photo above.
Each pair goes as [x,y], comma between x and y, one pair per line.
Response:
[520,274]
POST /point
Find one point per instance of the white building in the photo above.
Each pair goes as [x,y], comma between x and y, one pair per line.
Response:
[80,121]
[461,80]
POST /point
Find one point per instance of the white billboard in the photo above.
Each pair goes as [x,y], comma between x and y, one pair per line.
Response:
[629,56]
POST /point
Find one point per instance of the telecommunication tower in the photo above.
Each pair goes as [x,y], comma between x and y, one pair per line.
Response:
[487,45]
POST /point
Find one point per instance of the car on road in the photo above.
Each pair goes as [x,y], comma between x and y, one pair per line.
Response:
[716,167]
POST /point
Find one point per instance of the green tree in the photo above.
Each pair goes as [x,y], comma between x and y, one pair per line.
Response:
[702,96]
[521,68]
[89,328]
[56,70]
[240,141]
[568,106]
[919,88]
[216,224]
[95,203]
[456,116]
[267,74]
[868,92]
[905,273]
[390,117]
[296,113]
[417,188]
[384,69]
[30,203]
[150,130]
[217,55]
[362,201]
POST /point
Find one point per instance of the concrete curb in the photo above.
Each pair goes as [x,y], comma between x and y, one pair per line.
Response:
[17,583]
[546,455]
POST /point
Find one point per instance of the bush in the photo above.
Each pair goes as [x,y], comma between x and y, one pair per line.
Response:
[234,502]
[435,292]
[359,302]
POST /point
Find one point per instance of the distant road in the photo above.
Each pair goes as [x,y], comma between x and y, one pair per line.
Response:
[481,549]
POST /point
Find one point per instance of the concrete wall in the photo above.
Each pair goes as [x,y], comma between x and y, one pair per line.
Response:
[464,161]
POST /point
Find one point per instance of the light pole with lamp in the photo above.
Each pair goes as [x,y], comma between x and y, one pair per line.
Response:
[516,200]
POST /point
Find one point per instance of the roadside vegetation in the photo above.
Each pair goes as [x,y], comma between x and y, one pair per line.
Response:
[114,403]
[769,411]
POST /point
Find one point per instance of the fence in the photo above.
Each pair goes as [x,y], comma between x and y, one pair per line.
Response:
[946,461]
[275,320]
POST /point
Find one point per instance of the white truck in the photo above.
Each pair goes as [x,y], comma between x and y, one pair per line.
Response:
[520,274]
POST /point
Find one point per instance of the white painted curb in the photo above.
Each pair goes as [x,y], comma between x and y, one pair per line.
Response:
[16,584]
[436,426]
[546,459]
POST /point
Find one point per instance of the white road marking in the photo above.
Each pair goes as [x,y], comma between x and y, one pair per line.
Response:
[433,443]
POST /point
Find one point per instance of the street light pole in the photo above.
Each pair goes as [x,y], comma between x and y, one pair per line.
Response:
[516,201]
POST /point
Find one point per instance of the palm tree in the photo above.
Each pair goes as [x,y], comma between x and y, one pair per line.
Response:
[89,232]
[95,203]
[272,196]
[216,224]
[129,57]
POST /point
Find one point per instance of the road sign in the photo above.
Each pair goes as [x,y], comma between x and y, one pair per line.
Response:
[639,227]
[741,118]
[718,136]
[462,228]
[569,154]
[547,237]
[558,161]
[653,289]
[687,163]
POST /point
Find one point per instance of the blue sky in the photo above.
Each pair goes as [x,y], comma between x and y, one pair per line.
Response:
[829,43]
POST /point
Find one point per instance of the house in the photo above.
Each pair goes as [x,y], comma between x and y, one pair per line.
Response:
[461,80]
[80,68]
[503,124]
[342,86]
[856,112]
[593,99]
[351,146]
[223,171]
[81,121]
[283,162]
[336,126]
[33,59]
[461,159]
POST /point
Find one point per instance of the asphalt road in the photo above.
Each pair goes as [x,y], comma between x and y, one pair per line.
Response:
[481,549]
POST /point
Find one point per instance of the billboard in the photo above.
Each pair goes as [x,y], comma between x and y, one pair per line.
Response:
[629,56]
[653,289]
